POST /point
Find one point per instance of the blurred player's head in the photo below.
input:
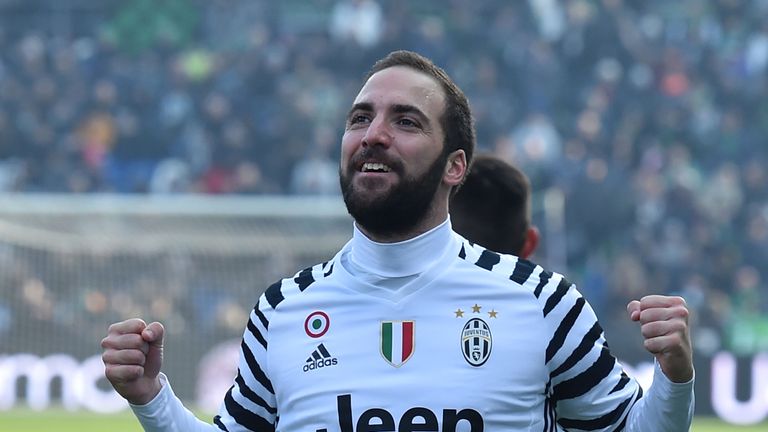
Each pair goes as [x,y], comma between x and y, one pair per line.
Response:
[407,143]
[493,208]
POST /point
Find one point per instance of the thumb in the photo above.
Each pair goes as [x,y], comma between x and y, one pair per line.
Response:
[633,309]
[153,335]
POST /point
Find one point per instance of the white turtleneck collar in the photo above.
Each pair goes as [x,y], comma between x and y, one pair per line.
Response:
[392,265]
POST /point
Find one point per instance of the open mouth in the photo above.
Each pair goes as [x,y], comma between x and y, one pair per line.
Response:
[375,167]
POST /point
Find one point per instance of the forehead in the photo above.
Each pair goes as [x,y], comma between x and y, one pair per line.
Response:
[404,86]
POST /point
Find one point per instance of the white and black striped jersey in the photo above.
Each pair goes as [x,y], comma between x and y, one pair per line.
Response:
[477,341]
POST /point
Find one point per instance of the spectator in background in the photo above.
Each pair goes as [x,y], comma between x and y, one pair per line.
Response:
[357,21]
[317,173]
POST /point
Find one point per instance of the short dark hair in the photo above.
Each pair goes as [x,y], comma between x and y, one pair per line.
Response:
[492,208]
[456,121]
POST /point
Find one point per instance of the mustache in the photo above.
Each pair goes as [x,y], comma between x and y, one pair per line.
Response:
[374,154]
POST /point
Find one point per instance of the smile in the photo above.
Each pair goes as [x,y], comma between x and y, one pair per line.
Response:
[374,167]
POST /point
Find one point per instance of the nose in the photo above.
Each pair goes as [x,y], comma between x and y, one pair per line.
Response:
[378,133]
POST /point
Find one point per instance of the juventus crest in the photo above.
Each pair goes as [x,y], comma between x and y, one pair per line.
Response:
[476,342]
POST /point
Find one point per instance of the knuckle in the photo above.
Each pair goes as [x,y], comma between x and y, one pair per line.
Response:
[675,339]
[123,373]
[643,316]
[646,330]
[137,357]
[133,340]
[114,373]
[650,345]
[680,326]
[108,371]
[132,357]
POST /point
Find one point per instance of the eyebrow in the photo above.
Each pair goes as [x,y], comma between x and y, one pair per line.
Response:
[396,108]
[410,109]
[360,106]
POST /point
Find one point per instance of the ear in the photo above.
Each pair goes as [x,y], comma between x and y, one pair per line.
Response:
[455,168]
[531,242]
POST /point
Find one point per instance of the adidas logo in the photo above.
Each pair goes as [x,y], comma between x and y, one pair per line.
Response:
[320,358]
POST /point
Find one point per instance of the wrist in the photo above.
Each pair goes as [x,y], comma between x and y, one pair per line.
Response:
[147,395]
[677,374]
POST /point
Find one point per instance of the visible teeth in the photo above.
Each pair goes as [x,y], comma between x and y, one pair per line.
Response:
[374,166]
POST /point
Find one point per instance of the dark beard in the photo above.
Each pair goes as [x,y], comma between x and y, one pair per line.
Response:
[401,208]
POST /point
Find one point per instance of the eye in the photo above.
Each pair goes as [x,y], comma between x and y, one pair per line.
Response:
[407,122]
[359,118]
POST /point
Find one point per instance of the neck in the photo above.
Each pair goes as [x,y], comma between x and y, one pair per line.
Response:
[397,259]
[436,216]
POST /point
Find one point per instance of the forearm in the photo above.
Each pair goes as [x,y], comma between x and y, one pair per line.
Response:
[166,413]
[666,407]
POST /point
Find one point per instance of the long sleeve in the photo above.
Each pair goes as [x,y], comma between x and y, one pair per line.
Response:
[166,413]
[249,405]
[588,386]
[666,407]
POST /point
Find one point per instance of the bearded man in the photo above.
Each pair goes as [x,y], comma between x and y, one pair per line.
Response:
[411,327]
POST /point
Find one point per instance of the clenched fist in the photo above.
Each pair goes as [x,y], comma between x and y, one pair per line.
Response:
[664,326]
[133,355]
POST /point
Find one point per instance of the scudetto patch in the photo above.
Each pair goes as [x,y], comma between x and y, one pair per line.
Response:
[397,341]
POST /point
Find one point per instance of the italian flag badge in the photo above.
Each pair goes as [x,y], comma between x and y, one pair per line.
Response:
[397,341]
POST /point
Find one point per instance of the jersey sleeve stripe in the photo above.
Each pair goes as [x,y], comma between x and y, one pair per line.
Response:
[273,294]
[638,395]
[549,421]
[544,277]
[601,422]
[586,345]
[563,329]
[523,270]
[587,380]
[330,270]
[554,299]
[256,333]
[260,315]
[244,417]
[217,422]
[623,381]
[304,279]
[254,367]
[252,395]
[488,259]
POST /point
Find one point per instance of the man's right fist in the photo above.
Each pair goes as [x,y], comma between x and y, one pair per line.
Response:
[133,355]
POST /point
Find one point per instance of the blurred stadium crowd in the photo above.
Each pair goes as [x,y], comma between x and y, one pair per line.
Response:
[650,115]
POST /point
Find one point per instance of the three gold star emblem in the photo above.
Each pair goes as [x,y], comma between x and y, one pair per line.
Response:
[476,309]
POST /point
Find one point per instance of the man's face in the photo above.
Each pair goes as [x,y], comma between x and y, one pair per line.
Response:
[392,158]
